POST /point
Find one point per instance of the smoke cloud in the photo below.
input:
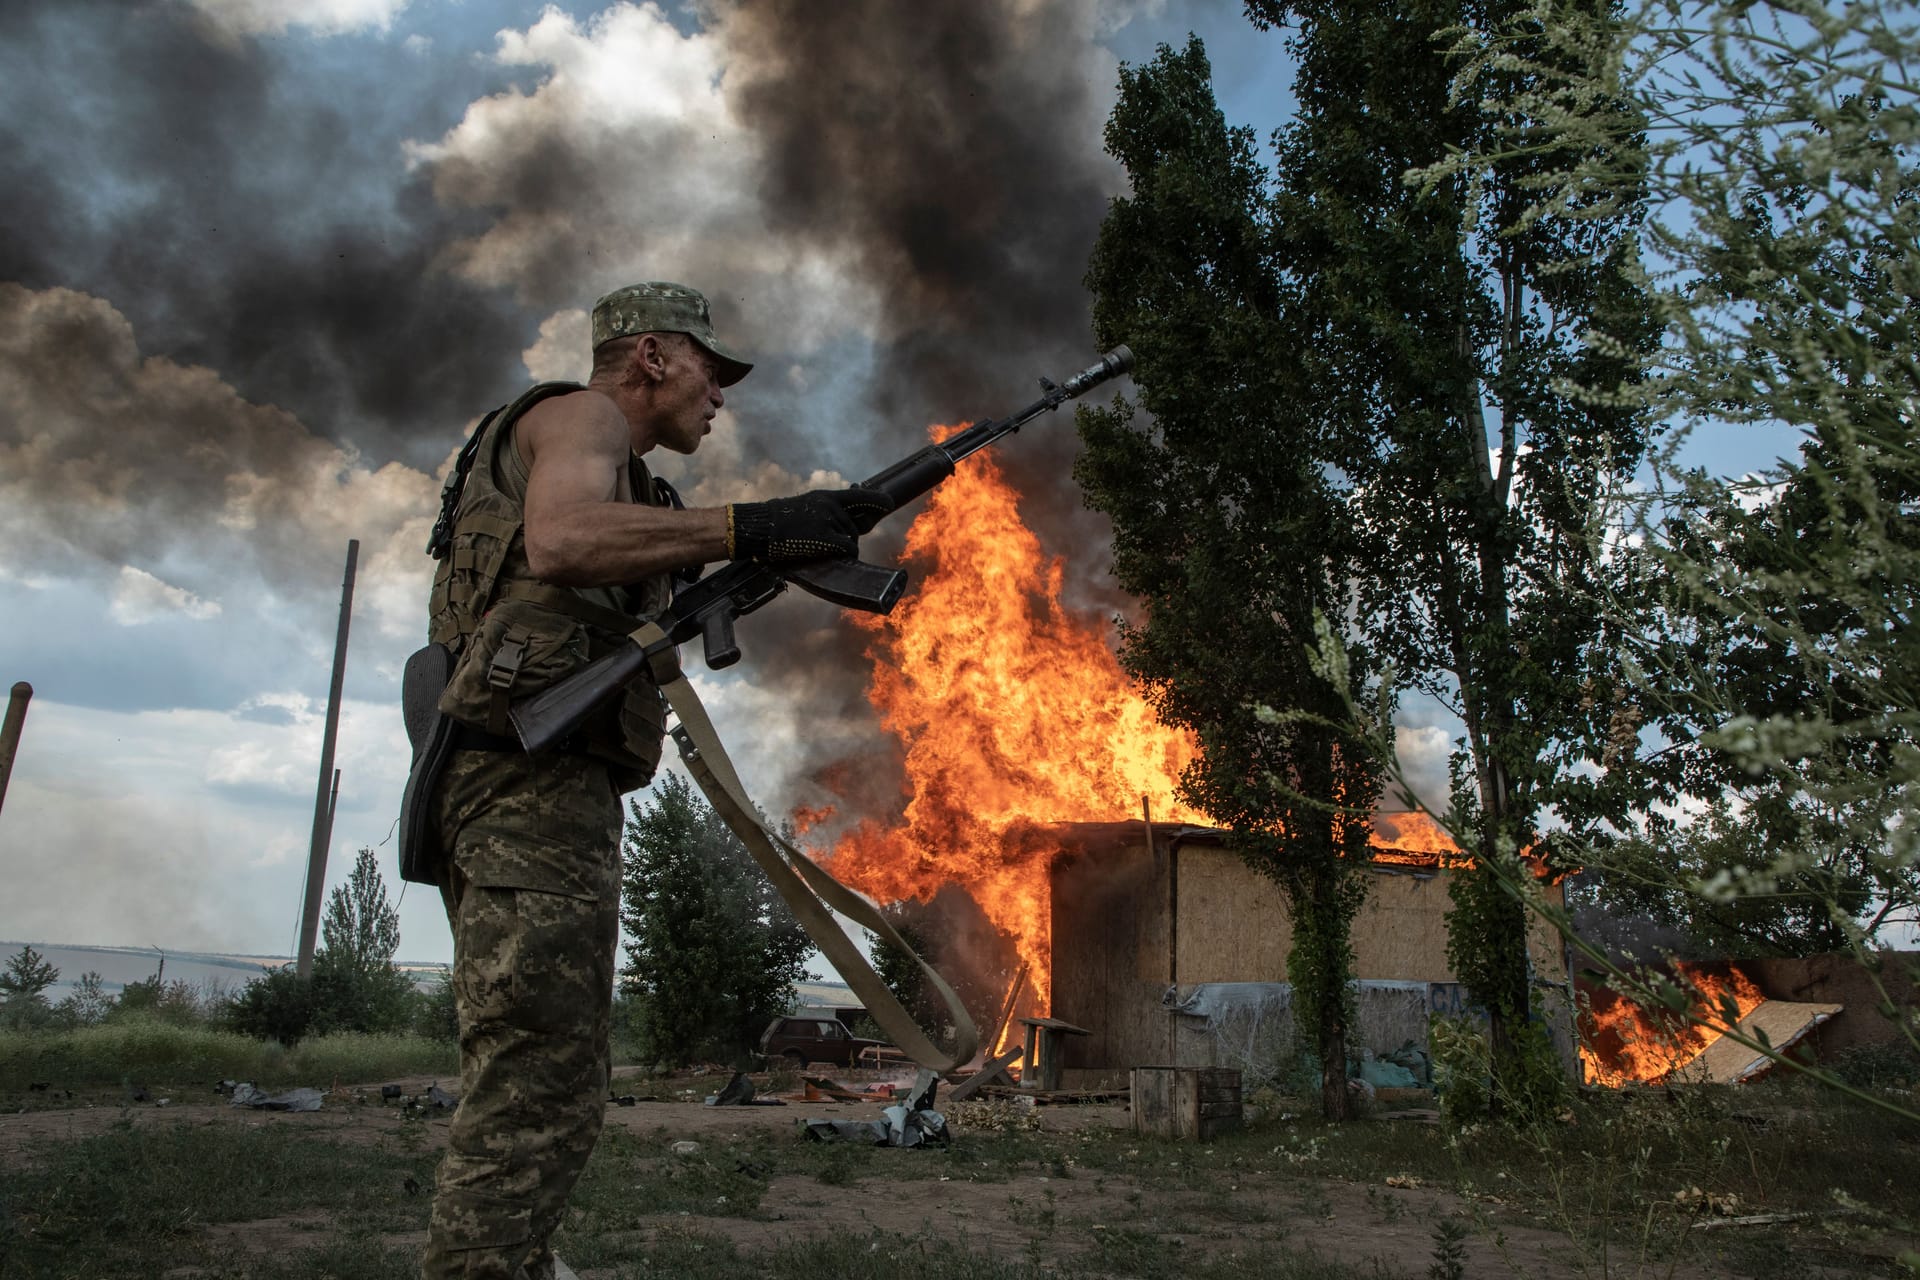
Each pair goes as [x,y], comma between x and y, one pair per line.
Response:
[232,201]
[159,478]
[253,285]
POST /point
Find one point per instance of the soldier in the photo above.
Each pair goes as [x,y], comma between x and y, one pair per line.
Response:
[561,544]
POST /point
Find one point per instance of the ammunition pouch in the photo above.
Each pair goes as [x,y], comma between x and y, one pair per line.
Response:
[432,734]
[534,637]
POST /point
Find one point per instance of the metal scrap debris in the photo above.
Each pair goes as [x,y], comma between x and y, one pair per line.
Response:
[246,1095]
[738,1092]
[910,1124]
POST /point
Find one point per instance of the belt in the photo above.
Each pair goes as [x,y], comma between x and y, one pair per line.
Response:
[468,738]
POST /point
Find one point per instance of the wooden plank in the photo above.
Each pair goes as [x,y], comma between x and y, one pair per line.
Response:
[1726,1061]
[993,1071]
[1054,1024]
[1152,1095]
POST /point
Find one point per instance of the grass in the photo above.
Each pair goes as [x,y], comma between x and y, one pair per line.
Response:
[1110,1205]
[162,1054]
[112,1205]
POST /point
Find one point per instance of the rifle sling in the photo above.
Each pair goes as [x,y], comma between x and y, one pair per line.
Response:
[808,888]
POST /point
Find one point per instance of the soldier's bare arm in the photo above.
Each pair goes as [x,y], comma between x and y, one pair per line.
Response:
[581,531]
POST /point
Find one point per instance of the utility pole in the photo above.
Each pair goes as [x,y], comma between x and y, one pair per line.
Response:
[323,802]
[10,732]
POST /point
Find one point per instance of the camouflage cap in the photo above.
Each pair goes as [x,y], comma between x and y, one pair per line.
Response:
[659,306]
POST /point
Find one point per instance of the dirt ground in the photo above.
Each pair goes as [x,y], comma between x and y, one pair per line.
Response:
[1032,1215]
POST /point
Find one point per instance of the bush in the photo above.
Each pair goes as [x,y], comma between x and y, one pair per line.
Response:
[1462,1070]
[276,1006]
[149,1050]
[340,997]
[434,1014]
[1890,1064]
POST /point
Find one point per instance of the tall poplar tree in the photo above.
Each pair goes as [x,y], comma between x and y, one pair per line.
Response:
[1225,528]
[1386,366]
[1447,333]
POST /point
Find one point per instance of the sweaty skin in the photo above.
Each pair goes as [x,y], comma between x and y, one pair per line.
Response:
[582,528]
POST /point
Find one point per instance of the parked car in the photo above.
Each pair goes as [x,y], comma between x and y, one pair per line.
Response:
[805,1038]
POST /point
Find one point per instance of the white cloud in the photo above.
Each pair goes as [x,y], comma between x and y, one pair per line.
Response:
[140,597]
[564,350]
[626,162]
[277,17]
[1423,751]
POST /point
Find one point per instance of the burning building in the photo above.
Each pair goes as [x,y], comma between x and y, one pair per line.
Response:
[1168,948]
[1025,748]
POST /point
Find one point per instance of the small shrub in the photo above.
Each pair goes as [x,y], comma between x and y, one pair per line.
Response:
[435,1016]
[1890,1064]
[1462,1070]
[149,1050]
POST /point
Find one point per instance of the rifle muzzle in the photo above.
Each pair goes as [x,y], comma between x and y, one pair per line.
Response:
[1112,365]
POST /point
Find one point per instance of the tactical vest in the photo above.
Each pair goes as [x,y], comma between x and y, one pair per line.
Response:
[513,635]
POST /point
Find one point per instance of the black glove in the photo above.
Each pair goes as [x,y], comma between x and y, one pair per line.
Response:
[823,525]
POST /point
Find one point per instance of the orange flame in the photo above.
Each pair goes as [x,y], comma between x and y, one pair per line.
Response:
[1413,838]
[807,817]
[1014,713]
[1627,1043]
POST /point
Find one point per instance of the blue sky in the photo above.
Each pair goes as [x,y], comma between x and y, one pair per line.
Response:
[264,263]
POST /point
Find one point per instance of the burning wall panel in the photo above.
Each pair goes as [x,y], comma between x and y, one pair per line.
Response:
[1110,956]
[1135,934]
[1234,925]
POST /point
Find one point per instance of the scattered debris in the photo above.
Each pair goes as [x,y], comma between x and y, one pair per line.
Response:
[899,1126]
[1044,1097]
[994,1072]
[245,1095]
[921,1093]
[818,1087]
[738,1092]
[1000,1114]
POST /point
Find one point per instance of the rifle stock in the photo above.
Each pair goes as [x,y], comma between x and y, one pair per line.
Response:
[548,716]
[708,607]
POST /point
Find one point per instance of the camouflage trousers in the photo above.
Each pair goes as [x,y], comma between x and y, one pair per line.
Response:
[532,891]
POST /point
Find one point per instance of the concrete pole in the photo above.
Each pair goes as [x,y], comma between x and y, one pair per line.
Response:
[322,805]
[10,732]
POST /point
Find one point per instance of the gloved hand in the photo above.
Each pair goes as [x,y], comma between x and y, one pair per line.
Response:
[823,525]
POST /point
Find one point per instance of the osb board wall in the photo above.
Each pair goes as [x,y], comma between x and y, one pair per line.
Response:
[1839,979]
[1233,925]
[1110,948]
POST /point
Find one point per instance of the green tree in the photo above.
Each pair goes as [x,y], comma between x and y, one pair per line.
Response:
[23,985]
[1770,643]
[88,1004]
[356,986]
[713,951]
[436,1016]
[278,1005]
[1445,334]
[1224,527]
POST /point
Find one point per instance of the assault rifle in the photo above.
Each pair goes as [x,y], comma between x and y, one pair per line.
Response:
[708,608]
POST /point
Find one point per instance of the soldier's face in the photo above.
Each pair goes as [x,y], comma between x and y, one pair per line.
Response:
[689,396]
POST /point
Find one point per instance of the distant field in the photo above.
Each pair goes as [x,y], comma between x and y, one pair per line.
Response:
[117,966]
